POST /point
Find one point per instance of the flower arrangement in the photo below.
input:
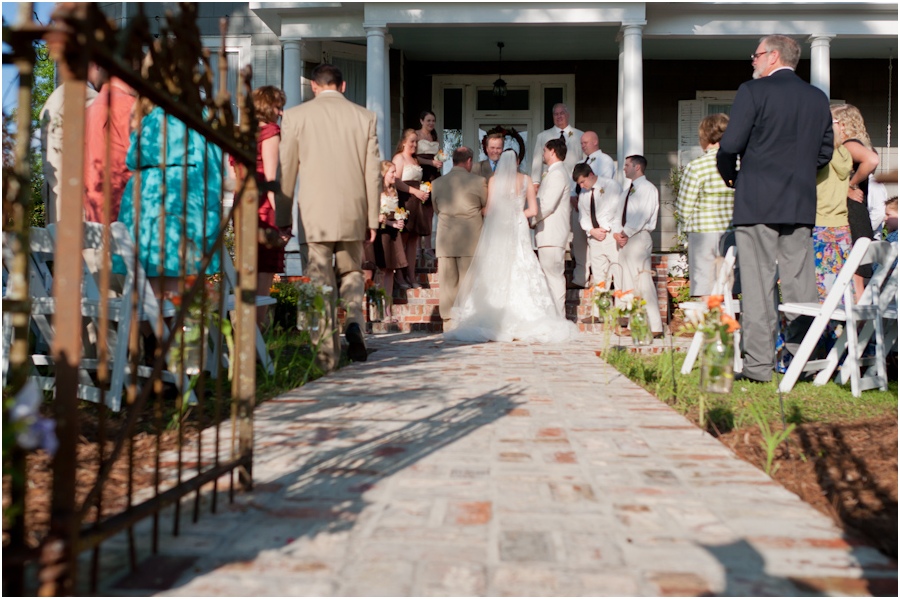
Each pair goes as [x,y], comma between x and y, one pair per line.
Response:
[714,322]
[401,214]
[441,156]
[602,298]
[301,303]
[426,187]
[632,306]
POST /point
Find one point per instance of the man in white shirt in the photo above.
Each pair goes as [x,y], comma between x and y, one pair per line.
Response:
[599,212]
[562,130]
[602,165]
[637,220]
[552,224]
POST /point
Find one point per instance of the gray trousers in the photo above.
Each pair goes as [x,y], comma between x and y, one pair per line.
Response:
[761,251]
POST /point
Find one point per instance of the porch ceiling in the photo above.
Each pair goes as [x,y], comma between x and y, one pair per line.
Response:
[591,42]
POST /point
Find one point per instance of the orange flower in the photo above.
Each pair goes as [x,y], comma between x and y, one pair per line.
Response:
[369,284]
[304,280]
[600,285]
[714,301]
[189,281]
[619,293]
[732,324]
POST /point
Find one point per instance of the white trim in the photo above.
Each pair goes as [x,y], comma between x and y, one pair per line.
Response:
[343,50]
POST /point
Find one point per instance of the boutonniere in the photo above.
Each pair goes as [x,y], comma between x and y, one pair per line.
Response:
[631,191]
[590,160]
[570,134]
[602,191]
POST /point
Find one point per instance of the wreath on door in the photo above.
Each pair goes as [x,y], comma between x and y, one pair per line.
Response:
[507,133]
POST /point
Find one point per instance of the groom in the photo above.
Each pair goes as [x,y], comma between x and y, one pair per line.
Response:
[551,228]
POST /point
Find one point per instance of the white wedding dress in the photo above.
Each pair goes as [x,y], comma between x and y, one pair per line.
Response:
[505,296]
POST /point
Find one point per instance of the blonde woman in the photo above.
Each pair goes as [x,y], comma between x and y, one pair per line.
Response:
[850,131]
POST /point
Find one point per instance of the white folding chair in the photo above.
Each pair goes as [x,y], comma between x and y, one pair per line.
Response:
[229,283]
[839,305]
[722,286]
[878,308]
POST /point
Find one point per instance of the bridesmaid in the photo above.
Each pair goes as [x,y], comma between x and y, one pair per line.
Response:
[427,147]
[412,198]
[390,253]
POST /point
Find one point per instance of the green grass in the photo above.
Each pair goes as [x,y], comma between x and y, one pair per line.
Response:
[805,402]
[293,358]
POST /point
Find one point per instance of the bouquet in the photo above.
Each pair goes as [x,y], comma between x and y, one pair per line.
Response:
[441,156]
[400,214]
[426,187]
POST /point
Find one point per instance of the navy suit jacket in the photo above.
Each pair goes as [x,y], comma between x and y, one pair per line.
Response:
[781,128]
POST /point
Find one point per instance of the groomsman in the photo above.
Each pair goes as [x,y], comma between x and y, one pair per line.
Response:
[493,148]
[600,163]
[551,227]
[459,198]
[638,219]
[599,210]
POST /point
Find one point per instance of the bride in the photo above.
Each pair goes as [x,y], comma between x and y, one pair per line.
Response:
[504,295]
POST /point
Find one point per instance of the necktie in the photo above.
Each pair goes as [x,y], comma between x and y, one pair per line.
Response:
[562,135]
[625,207]
[594,222]
[493,166]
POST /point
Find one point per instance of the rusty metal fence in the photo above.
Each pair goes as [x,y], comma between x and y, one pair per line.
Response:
[128,312]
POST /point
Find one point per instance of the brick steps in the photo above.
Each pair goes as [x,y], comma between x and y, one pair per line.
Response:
[416,310]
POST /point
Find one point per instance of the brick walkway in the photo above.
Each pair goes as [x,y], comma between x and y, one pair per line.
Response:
[500,469]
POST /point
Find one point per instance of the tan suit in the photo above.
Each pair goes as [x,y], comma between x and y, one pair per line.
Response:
[459,197]
[331,144]
[484,169]
[552,229]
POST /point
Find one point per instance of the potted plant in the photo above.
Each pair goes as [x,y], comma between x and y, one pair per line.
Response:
[678,284]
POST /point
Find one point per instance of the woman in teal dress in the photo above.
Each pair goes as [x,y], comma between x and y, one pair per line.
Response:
[202,166]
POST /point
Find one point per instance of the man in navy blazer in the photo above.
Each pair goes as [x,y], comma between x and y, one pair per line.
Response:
[781,128]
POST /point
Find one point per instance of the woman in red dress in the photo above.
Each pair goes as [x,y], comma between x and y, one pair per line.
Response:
[268,103]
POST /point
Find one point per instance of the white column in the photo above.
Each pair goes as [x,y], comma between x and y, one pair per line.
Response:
[292,81]
[820,62]
[375,88]
[387,95]
[620,114]
[633,92]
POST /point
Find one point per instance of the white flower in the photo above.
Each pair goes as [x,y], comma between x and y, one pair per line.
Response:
[327,289]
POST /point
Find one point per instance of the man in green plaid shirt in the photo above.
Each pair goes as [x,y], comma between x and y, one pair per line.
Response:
[705,205]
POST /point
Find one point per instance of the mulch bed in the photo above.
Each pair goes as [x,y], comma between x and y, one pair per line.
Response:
[847,470]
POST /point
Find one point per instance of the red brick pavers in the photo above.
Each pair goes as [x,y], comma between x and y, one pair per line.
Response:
[505,469]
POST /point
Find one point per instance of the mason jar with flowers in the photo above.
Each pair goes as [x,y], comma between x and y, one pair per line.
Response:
[717,355]
[633,307]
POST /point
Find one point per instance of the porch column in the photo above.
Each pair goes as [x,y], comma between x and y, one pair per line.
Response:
[620,113]
[375,88]
[633,92]
[292,80]
[387,95]
[820,62]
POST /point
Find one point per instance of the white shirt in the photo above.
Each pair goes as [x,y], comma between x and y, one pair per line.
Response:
[643,207]
[602,165]
[608,199]
[574,155]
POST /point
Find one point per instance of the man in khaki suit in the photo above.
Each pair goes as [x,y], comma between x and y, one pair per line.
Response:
[493,148]
[552,225]
[459,198]
[331,143]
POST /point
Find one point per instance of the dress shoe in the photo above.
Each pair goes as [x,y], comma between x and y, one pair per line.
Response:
[741,377]
[357,344]
[400,283]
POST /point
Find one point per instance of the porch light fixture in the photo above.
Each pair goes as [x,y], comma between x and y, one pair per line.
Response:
[500,84]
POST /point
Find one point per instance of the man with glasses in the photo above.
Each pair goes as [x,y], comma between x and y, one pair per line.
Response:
[781,128]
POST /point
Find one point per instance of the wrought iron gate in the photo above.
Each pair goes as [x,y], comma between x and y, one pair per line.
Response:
[96,489]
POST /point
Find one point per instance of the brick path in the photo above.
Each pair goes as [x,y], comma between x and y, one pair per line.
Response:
[500,469]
